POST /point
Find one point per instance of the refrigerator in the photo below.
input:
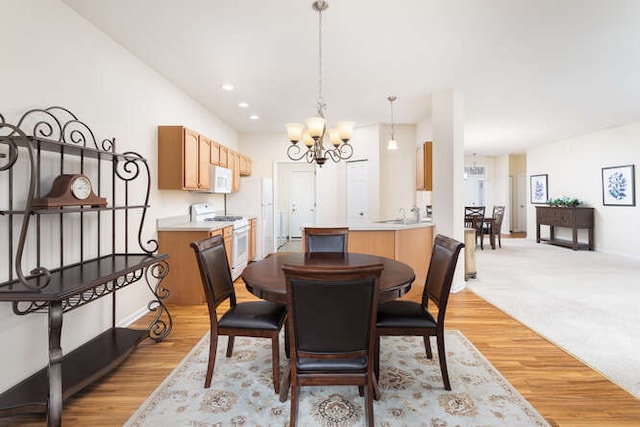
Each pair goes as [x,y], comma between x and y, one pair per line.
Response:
[255,199]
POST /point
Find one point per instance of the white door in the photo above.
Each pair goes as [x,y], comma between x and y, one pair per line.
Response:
[522,202]
[302,201]
[357,201]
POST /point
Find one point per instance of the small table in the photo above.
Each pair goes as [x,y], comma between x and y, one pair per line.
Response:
[265,278]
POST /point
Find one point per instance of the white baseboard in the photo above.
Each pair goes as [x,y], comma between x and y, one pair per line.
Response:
[133,317]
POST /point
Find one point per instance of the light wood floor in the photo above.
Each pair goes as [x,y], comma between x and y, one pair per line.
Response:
[563,390]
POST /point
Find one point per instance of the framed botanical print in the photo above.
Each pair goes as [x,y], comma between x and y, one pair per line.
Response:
[539,189]
[618,186]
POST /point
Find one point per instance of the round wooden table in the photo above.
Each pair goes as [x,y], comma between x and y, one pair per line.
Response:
[265,278]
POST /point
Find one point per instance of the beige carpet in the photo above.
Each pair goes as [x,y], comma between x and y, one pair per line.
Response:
[583,301]
[242,394]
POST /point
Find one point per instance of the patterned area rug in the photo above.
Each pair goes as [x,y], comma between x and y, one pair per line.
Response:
[413,394]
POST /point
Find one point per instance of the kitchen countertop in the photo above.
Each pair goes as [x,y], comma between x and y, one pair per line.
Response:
[387,226]
[183,223]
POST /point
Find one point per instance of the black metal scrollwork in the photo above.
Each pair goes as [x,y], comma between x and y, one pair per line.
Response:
[159,328]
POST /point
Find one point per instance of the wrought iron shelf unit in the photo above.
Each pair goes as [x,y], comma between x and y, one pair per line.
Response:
[80,253]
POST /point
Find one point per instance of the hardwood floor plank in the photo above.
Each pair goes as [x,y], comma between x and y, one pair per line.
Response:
[565,391]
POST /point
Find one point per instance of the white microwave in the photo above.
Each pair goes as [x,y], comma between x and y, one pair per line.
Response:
[220,180]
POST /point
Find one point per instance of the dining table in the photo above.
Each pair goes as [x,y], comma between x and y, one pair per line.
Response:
[265,278]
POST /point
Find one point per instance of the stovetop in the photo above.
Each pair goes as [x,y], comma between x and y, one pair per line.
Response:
[228,218]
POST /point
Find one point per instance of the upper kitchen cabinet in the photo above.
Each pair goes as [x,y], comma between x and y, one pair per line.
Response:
[245,165]
[233,163]
[183,159]
[215,154]
[424,158]
[224,157]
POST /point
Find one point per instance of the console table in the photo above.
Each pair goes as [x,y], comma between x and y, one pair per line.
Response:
[574,218]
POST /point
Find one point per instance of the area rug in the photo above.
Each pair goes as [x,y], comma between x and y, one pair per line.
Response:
[585,302]
[413,394]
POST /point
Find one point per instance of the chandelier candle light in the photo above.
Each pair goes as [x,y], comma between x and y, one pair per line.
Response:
[316,127]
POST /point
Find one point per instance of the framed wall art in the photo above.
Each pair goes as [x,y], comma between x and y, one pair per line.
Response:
[618,186]
[539,189]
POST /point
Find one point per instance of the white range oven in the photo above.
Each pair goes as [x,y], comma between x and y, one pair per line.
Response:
[240,236]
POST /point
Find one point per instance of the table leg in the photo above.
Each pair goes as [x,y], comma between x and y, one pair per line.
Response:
[54,410]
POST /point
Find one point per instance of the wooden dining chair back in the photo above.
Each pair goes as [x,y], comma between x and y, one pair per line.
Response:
[331,323]
[474,218]
[260,319]
[318,239]
[498,216]
[400,317]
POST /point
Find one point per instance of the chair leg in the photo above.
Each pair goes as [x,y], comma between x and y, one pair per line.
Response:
[442,356]
[427,346]
[361,390]
[376,356]
[294,405]
[275,362]
[287,350]
[213,347]
[376,389]
[232,339]
[499,240]
[369,403]
[286,382]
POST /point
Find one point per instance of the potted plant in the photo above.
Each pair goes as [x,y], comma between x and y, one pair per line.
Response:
[564,202]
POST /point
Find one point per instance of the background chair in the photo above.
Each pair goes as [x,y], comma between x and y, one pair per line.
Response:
[474,218]
[326,239]
[331,325]
[410,318]
[494,226]
[261,319]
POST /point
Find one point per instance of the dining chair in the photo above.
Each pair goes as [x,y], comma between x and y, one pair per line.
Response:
[319,239]
[399,318]
[331,324]
[261,319]
[474,218]
[495,225]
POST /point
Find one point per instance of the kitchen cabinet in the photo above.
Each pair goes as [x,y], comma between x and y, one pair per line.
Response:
[183,159]
[224,156]
[245,165]
[233,163]
[424,159]
[252,239]
[215,154]
[183,280]
[56,265]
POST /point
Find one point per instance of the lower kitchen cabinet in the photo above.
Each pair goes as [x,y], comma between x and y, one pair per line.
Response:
[183,281]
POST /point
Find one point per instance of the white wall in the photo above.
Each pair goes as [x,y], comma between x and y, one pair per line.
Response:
[575,167]
[265,149]
[52,56]
[398,171]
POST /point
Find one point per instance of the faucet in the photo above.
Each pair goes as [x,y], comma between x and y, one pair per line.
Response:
[404,215]
[416,210]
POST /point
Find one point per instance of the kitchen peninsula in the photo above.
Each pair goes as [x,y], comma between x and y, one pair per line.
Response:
[408,242]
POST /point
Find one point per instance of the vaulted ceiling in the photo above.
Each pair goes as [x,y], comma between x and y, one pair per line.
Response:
[531,71]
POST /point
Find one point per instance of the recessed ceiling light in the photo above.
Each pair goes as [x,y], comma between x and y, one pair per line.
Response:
[227,86]
[254,117]
[243,105]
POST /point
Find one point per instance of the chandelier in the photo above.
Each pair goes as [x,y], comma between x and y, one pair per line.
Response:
[313,135]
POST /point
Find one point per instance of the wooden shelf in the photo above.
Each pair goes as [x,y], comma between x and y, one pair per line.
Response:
[80,368]
[565,243]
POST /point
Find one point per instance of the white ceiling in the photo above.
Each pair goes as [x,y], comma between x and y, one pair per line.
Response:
[532,71]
